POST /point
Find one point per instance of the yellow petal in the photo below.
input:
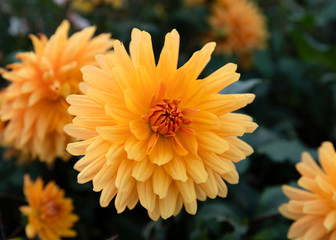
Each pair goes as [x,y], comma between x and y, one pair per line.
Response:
[143,170]
[187,190]
[231,177]
[154,214]
[115,153]
[118,113]
[200,194]
[91,170]
[134,103]
[197,62]
[124,175]
[316,231]
[106,176]
[191,207]
[98,78]
[107,195]
[210,141]
[217,163]
[135,148]
[196,170]
[78,148]
[140,129]
[221,78]
[299,227]
[79,132]
[133,200]
[123,57]
[167,205]
[169,54]
[330,220]
[31,231]
[283,209]
[222,188]
[141,49]
[176,168]
[297,194]
[319,206]
[115,134]
[178,146]
[123,199]
[210,186]
[146,195]
[161,182]
[162,151]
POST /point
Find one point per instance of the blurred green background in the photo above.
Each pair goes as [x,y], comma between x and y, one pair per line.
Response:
[294,79]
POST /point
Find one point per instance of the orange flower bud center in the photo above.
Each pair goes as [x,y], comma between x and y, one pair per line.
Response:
[166,117]
[50,209]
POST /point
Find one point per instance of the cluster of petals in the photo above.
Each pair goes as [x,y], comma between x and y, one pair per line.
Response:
[34,110]
[156,133]
[237,26]
[313,208]
[49,212]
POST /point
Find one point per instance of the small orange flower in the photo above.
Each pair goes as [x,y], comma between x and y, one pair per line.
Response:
[313,208]
[34,107]
[237,26]
[89,5]
[154,133]
[49,213]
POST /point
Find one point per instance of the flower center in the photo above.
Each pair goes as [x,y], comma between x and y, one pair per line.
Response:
[166,117]
[50,209]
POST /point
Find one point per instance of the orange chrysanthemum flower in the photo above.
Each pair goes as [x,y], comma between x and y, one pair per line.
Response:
[314,207]
[34,106]
[49,213]
[155,133]
[237,26]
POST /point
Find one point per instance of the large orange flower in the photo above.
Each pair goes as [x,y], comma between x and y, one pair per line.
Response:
[314,207]
[237,26]
[155,133]
[49,213]
[34,108]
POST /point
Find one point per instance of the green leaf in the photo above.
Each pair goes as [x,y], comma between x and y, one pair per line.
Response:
[282,150]
[312,51]
[220,220]
[241,86]
[264,63]
[270,200]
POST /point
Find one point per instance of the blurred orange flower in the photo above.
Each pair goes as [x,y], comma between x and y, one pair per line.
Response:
[314,207]
[90,5]
[155,133]
[34,106]
[237,26]
[49,213]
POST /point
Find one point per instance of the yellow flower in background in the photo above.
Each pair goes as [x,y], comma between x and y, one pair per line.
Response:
[313,208]
[89,5]
[155,133]
[34,107]
[49,212]
[237,26]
